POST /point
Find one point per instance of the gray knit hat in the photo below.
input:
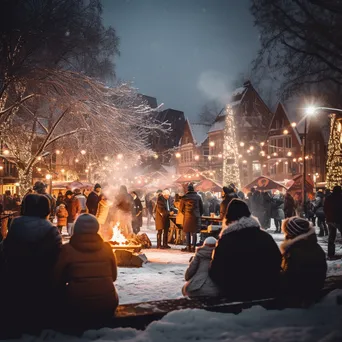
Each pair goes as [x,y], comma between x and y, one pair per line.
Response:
[86,224]
[295,226]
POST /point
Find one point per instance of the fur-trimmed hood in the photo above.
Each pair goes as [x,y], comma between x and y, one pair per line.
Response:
[243,223]
[284,247]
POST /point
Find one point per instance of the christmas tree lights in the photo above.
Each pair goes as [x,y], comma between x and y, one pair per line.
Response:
[231,171]
[334,161]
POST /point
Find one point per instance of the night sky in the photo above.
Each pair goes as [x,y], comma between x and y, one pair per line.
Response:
[183,52]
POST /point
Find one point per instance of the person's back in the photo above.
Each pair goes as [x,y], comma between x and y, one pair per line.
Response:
[197,275]
[84,275]
[30,252]
[304,262]
[333,207]
[83,202]
[246,261]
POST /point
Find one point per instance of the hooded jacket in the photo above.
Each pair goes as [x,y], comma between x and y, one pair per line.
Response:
[246,262]
[62,216]
[84,276]
[304,266]
[30,252]
[197,275]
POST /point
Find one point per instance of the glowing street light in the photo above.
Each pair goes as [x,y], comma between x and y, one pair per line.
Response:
[262,143]
[285,132]
[76,160]
[289,154]
[242,144]
[6,152]
[83,152]
[196,157]
[220,155]
[106,158]
[293,124]
[62,170]
[48,176]
[251,148]
[58,152]
[212,144]
[120,156]
[178,155]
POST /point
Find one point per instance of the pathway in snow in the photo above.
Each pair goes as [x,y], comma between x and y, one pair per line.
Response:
[163,276]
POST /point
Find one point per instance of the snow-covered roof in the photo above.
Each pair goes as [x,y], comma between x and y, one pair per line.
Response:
[199,132]
[238,91]
[217,126]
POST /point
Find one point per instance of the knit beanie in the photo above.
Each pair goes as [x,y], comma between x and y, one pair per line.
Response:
[97,185]
[86,224]
[210,241]
[236,210]
[295,226]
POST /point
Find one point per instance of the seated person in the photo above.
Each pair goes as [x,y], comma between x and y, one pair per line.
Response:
[197,276]
[246,261]
[304,264]
[84,275]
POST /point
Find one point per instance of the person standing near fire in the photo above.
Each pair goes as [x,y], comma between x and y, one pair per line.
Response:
[94,199]
[163,211]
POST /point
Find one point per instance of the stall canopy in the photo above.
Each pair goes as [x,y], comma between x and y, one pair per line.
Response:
[72,185]
[208,185]
[295,184]
[263,183]
[191,175]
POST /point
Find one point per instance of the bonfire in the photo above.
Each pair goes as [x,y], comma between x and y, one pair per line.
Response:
[119,240]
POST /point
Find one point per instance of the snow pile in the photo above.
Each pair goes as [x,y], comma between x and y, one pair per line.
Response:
[319,323]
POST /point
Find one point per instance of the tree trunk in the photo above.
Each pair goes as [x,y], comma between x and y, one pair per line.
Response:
[25,181]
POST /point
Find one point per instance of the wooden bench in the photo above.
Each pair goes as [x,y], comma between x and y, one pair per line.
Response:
[139,315]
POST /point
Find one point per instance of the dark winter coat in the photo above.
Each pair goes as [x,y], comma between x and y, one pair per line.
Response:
[93,202]
[319,206]
[256,204]
[289,206]
[333,208]
[304,266]
[73,207]
[138,208]
[278,207]
[191,206]
[30,252]
[84,276]
[246,262]
[214,206]
[162,213]
[224,204]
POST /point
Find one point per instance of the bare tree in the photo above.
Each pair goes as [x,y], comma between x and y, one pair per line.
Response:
[301,40]
[79,112]
[51,35]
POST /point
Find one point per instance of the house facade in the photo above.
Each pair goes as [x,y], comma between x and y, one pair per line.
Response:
[252,118]
[282,152]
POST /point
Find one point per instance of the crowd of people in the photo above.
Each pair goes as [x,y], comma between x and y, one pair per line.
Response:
[47,281]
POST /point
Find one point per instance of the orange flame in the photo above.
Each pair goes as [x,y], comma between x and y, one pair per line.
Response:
[118,237]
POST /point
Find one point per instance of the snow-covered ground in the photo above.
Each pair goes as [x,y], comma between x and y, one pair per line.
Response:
[319,323]
[163,276]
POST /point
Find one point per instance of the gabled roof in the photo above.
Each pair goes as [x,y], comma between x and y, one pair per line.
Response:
[281,109]
[198,131]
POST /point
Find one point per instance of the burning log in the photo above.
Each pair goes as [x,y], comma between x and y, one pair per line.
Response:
[126,249]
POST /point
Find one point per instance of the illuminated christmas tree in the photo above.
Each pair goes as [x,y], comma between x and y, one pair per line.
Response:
[334,162]
[231,171]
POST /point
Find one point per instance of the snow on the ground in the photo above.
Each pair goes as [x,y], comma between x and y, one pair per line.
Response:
[319,323]
[163,276]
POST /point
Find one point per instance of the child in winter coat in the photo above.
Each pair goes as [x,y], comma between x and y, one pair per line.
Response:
[304,264]
[198,281]
[62,215]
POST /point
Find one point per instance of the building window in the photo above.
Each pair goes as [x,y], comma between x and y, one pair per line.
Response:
[272,147]
[256,169]
[206,151]
[288,142]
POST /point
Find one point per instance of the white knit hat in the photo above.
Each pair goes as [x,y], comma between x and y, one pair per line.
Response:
[210,241]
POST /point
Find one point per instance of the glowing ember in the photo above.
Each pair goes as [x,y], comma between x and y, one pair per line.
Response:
[118,237]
